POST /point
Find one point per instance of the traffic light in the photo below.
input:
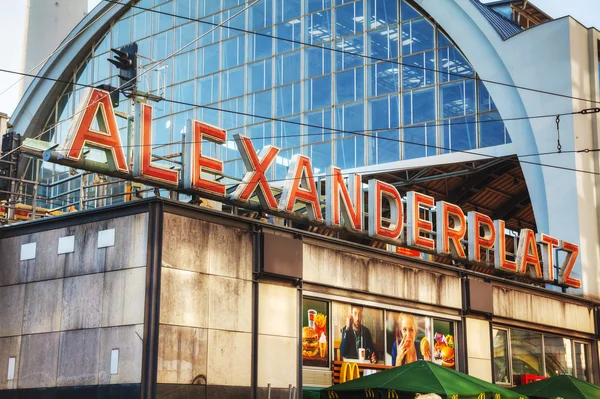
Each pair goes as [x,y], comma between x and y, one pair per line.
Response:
[126,60]
[8,162]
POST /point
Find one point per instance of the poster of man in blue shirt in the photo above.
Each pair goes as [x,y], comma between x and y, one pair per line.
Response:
[355,337]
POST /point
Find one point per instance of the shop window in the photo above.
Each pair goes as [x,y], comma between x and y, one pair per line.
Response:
[500,341]
[557,355]
[315,334]
[357,331]
[518,352]
[526,352]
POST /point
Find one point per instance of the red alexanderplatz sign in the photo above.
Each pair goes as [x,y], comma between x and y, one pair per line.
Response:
[344,203]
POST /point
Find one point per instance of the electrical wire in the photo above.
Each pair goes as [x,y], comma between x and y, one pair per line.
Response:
[372,132]
[391,61]
[152,65]
[59,48]
[333,130]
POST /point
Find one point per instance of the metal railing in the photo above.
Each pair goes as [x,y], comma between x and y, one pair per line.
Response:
[24,199]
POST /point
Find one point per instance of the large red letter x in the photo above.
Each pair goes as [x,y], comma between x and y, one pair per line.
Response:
[257,166]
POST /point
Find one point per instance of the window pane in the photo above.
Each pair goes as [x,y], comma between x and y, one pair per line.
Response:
[383,113]
[317,5]
[422,35]
[259,46]
[526,349]
[208,89]
[387,146]
[259,76]
[321,151]
[383,79]
[288,68]
[457,99]
[485,100]
[208,59]
[232,83]
[414,142]
[349,86]
[318,27]
[318,92]
[291,31]
[581,370]
[459,134]
[443,336]
[233,52]
[317,61]
[453,65]
[382,12]
[349,19]
[259,104]
[260,14]
[345,59]
[558,356]
[491,130]
[287,99]
[383,44]
[184,66]
[408,12]
[420,75]
[287,9]
[418,106]
[501,357]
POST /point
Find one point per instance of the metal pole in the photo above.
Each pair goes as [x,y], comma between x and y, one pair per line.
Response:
[269,390]
[34,201]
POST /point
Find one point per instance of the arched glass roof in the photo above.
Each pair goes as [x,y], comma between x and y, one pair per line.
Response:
[346,82]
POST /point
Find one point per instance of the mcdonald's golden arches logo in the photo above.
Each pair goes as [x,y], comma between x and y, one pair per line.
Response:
[455,396]
[369,393]
[482,396]
[497,396]
[349,372]
[392,394]
[333,395]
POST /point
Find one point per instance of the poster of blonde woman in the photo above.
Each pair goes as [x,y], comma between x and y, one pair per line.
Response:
[407,338]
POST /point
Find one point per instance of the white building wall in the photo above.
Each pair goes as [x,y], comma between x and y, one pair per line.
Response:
[48,23]
[553,57]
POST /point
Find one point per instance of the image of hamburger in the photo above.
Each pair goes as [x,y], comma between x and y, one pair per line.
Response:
[425,348]
[310,342]
[447,354]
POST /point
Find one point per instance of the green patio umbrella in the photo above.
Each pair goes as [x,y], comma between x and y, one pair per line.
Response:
[562,386]
[418,377]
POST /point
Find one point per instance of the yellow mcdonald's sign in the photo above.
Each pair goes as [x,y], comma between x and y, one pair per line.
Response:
[369,393]
[497,396]
[392,394]
[349,372]
[333,395]
[455,396]
[482,396]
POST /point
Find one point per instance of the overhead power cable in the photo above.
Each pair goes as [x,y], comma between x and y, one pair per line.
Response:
[336,50]
[333,130]
[152,65]
[59,48]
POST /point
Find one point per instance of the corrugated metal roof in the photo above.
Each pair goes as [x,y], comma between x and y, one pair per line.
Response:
[502,25]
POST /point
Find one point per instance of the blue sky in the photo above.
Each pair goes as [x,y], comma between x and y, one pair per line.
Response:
[13,17]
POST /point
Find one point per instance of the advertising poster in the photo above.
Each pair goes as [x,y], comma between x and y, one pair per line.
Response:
[407,337]
[443,343]
[315,333]
[358,333]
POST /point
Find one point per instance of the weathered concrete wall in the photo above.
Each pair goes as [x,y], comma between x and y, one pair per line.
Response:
[340,268]
[62,314]
[206,305]
[529,307]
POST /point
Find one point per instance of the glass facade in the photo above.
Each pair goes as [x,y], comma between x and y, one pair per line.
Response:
[378,70]
[518,352]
